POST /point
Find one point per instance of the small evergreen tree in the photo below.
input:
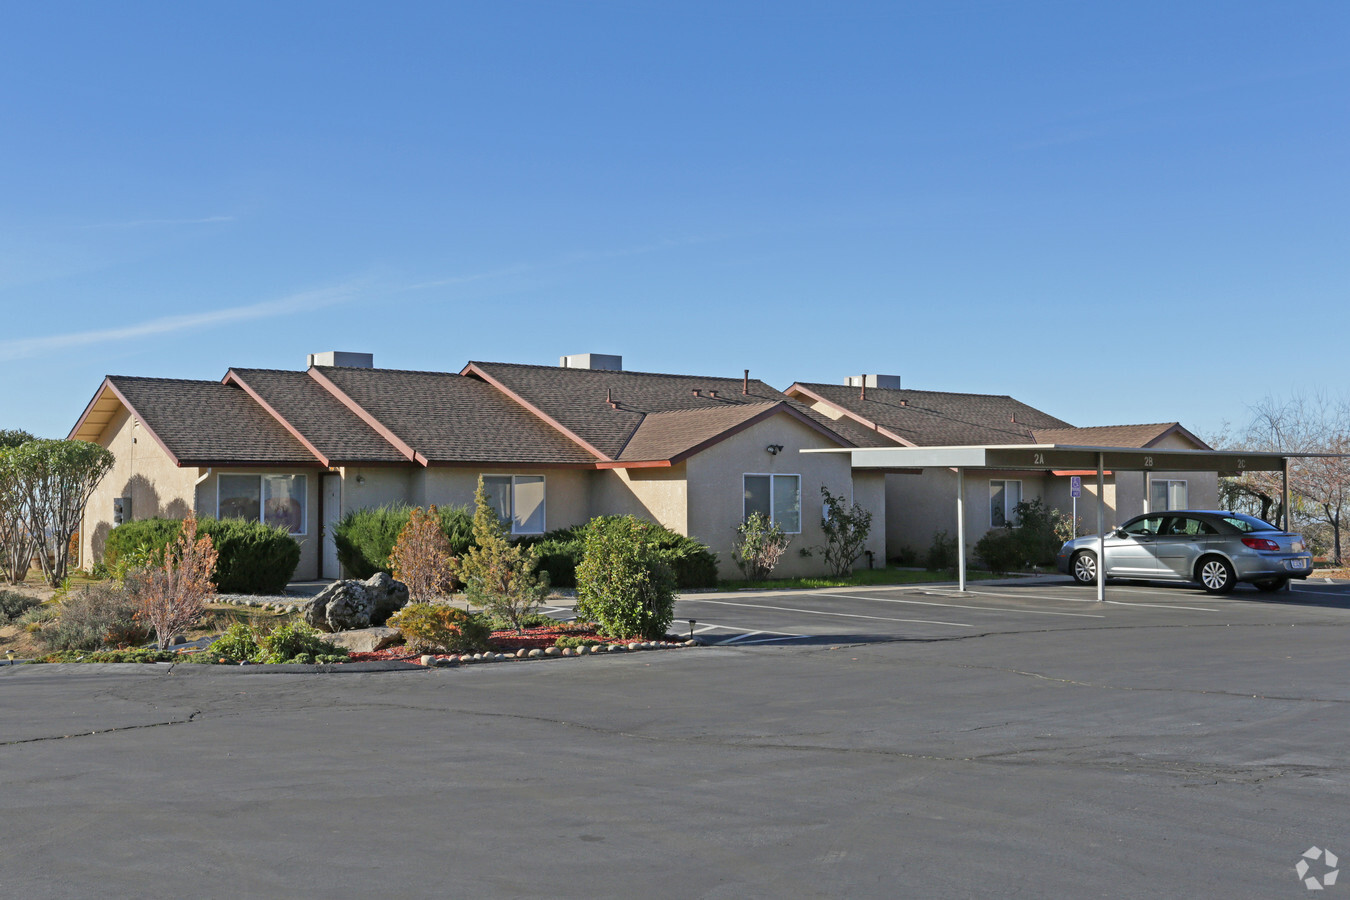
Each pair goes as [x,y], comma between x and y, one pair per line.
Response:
[498,576]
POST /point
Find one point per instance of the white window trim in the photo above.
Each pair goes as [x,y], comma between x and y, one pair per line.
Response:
[1008,514]
[1148,495]
[771,476]
[512,514]
[262,500]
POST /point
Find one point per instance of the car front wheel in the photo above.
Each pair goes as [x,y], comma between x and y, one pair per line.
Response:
[1216,575]
[1085,567]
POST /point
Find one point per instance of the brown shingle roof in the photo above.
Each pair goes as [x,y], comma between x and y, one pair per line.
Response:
[337,434]
[448,418]
[579,402]
[1112,435]
[936,418]
[209,423]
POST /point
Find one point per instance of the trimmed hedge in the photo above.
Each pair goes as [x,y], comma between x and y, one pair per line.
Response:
[690,561]
[253,558]
[366,537]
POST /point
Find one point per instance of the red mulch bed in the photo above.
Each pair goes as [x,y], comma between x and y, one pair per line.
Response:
[501,642]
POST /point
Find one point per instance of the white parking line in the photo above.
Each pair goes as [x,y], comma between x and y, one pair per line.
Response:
[1032,612]
[821,612]
[1158,605]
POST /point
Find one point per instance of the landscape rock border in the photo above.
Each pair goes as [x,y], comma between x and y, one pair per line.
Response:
[448,660]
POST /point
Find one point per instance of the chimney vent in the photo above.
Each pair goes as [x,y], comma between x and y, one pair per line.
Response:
[341,359]
[745,383]
[885,382]
[601,362]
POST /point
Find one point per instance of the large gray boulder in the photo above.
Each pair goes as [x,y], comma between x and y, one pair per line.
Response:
[352,604]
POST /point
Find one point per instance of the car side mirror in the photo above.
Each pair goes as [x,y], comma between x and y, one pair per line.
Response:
[1118,532]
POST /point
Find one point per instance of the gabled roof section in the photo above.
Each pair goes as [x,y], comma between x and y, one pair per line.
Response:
[933,418]
[316,418]
[626,416]
[445,418]
[1138,436]
[197,423]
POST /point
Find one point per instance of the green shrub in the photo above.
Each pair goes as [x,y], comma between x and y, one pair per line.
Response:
[35,618]
[1001,551]
[110,656]
[253,558]
[286,643]
[571,641]
[941,556]
[292,642]
[690,561]
[623,583]
[13,605]
[237,644]
[759,545]
[99,616]
[1040,532]
[439,626]
[366,537]
[529,620]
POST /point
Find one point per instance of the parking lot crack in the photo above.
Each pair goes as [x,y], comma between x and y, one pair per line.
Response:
[101,731]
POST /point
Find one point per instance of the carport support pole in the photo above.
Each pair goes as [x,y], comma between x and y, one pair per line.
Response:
[960,529]
[1101,527]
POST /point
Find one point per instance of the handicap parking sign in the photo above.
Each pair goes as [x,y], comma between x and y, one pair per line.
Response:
[1076,486]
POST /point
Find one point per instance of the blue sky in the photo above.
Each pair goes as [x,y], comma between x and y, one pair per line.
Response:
[1118,213]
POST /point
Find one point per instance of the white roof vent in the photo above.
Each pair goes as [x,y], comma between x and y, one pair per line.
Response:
[339,358]
[885,382]
[601,361]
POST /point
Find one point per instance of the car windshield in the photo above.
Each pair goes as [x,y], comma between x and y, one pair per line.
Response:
[1245,523]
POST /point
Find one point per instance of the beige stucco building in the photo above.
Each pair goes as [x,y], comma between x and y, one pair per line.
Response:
[555,446]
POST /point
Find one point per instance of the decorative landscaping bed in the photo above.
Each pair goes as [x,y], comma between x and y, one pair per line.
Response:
[509,644]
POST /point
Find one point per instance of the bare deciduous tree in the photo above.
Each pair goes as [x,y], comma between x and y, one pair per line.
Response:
[173,596]
[1319,485]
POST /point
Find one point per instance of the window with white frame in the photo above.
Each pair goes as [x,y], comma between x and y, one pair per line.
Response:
[1003,499]
[1164,495]
[779,497]
[277,500]
[519,501]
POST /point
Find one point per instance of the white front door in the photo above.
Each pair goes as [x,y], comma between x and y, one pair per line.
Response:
[332,513]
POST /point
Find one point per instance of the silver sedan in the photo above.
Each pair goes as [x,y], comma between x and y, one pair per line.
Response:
[1214,548]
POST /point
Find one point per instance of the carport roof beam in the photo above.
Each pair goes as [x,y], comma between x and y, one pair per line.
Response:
[1060,456]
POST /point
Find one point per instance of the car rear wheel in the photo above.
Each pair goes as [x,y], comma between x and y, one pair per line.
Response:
[1216,575]
[1271,585]
[1085,567]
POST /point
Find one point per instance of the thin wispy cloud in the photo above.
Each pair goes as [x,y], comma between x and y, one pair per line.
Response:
[307,301]
[143,223]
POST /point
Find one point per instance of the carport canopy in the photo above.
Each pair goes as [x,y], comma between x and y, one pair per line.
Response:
[1058,457]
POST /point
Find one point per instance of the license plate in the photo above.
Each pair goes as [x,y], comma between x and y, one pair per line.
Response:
[1298,563]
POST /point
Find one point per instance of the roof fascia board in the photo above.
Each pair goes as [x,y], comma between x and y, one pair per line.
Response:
[497,465]
[861,420]
[121,398]
[232,377]
[89,408]
[473,370]
[1178,428]
[360,411]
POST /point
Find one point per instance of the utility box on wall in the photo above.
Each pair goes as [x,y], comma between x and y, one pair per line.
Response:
[121,510]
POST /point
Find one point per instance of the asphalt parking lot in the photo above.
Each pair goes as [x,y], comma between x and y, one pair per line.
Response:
[1015,740]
